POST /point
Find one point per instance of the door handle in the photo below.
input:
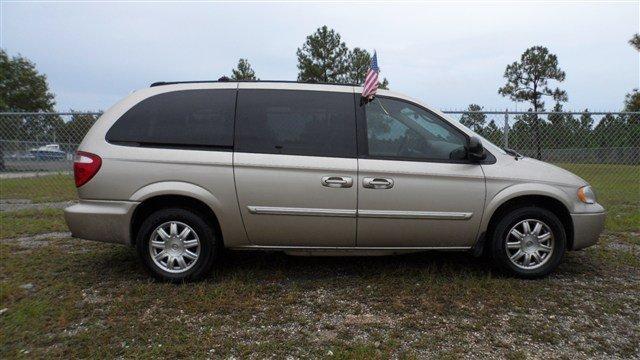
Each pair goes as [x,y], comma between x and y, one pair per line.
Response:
[337,181]
[377,183]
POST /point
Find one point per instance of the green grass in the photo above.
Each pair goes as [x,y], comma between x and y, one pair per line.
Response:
[614,184]
[49,188]
[95,300]
[617,188]
[30,222]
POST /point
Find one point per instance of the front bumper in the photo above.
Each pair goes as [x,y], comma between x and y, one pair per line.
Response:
[106,221]
[587,228]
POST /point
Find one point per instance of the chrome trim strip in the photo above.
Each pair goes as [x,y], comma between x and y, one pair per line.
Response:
[287,247]
[388,214]
[436,215]
[267,210]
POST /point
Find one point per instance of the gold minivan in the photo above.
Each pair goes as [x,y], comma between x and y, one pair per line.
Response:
[184,170]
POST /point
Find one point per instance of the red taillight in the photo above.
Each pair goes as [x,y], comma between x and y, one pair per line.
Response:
[85,166]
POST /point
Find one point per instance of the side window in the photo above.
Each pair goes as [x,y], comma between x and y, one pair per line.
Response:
[187,118]
[296,122]
[397,129]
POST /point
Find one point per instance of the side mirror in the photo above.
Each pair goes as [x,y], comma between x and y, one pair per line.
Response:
[475,150]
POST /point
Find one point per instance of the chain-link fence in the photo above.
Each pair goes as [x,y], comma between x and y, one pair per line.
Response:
[36,154]
[36,149]
[561,137]
[601,147]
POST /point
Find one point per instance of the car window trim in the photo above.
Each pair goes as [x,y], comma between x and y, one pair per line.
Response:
[163,145]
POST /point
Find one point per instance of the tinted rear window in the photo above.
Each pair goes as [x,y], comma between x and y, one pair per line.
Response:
[188,118]
[295,122]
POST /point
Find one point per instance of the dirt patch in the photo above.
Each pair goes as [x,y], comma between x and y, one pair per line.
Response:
[25,204]
[30,242]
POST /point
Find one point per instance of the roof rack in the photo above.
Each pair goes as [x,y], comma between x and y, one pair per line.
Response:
[226,79]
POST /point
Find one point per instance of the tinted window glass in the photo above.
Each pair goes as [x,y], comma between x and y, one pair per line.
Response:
[189,117]
[296,122]
[402,130]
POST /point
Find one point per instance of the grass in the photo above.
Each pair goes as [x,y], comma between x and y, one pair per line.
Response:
[617,189]
[95,300]
[30,222]
[48,188]
[614,184]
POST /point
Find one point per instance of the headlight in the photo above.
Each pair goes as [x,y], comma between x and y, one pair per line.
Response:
[586,195]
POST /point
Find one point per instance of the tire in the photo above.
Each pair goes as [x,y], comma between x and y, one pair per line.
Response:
[544,255]
[177,244]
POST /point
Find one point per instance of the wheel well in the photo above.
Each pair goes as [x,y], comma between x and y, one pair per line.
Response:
[546,202]
[150,205]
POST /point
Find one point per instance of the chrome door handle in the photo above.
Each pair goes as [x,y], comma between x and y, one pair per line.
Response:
[377,183]
[337,181]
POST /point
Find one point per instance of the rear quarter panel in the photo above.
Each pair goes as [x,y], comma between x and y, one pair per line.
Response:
[137,173]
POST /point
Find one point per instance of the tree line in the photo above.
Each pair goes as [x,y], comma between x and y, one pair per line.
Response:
[528,80]
[557,130]
[322,58]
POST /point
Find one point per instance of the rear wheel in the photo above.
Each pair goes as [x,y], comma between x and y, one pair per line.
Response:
[177,245]
[529,242]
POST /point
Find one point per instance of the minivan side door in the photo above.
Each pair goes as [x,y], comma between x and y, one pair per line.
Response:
[295,165]
[416,187]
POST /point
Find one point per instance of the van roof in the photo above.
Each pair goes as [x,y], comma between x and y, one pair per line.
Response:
[226,80]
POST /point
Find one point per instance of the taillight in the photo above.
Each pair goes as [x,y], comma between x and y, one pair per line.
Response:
[85,166]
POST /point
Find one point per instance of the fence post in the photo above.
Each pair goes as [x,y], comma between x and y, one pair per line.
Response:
[505,137]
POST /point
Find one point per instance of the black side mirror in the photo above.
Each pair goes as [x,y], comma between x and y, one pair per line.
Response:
[475,150]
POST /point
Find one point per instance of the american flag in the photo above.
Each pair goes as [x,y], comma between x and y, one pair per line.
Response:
[371,80]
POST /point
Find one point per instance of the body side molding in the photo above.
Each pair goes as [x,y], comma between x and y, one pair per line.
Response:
[435,215]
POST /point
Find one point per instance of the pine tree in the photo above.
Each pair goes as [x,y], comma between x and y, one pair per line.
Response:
[474,119]
[243,71]
[528,81]
[323,57]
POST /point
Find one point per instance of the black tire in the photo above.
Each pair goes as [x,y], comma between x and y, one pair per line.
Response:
[209,245]
[517,216]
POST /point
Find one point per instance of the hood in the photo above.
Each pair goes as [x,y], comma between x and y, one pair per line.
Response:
[532,169]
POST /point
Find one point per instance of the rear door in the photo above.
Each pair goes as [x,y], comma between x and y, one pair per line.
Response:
[416,188]
[295,165]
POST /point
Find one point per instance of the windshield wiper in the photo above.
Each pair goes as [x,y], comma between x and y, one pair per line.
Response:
[513,153]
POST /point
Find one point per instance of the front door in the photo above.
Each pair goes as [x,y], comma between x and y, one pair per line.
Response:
[416,188]
[295,166]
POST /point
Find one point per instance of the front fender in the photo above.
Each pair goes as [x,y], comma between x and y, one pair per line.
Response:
[517,190]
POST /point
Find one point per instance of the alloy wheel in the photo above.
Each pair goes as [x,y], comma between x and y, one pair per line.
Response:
[174,247]
[529,244]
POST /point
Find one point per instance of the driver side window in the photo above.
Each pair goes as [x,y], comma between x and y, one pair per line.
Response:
[397,129]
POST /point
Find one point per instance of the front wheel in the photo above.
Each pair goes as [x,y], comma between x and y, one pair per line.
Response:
[529,242]
[176,245]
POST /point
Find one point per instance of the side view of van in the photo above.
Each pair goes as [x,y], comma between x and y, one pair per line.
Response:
[182,171]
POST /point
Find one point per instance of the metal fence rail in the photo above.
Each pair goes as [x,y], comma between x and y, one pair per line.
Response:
[36,149]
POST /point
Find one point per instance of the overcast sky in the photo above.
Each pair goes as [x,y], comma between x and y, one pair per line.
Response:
[448,54]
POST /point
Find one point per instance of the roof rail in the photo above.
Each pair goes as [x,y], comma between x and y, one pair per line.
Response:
[225,79]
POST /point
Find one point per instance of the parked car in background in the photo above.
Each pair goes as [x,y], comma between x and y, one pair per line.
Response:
[182,171]
[47,152]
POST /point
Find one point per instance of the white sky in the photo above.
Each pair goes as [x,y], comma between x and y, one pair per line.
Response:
[448,54]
